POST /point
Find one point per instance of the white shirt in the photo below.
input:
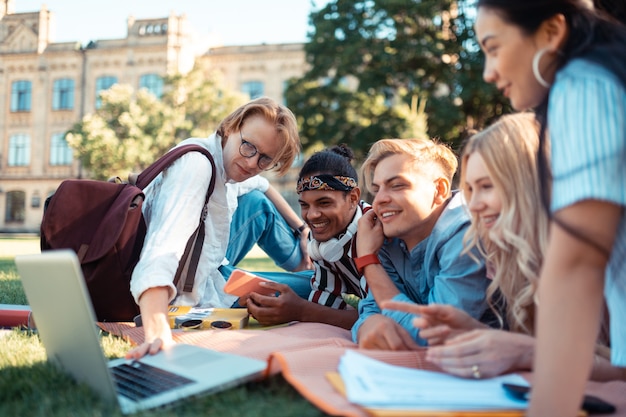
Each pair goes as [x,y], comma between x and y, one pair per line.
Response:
[174,201]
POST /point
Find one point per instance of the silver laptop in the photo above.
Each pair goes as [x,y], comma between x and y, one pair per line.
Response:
[65,321]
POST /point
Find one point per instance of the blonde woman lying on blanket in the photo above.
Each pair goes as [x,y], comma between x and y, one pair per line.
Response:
[501,186]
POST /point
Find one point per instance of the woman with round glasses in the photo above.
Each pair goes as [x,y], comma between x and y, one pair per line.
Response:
[257,136]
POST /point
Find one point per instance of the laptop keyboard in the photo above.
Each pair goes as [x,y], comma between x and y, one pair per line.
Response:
[137,381]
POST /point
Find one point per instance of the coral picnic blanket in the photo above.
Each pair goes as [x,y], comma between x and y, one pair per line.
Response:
[306,353]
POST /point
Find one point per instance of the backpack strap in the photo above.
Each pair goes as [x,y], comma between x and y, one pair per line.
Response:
[188,264]
[150,173]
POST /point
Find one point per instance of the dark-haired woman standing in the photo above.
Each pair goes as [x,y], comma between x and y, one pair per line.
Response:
[566,60]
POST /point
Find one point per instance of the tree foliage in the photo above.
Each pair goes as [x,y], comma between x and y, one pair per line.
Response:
[199,96]
[131,129]
[391,68]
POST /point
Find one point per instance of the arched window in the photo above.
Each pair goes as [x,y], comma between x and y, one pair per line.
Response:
[15,207]
[102,84]
[254,89]
[19,150]
[20,95]
[63,94]
[153,83]
[60,151]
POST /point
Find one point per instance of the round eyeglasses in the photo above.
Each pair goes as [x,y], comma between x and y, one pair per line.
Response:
[248,150]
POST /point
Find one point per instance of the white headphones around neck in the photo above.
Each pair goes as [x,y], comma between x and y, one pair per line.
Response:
[332,249]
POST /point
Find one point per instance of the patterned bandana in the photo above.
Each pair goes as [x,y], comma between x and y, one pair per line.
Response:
[326,182]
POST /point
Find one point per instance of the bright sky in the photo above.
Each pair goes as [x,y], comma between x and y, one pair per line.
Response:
[229,22]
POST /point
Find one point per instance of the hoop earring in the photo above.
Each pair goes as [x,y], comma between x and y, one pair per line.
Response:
[536,71]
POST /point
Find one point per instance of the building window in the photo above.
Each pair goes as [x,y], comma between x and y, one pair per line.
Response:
[60,151]
[63,94]
[19,150]
[153,83]
[20,96]
[35,200]
[254,89]
[102,84]
[153,28]
[15,207]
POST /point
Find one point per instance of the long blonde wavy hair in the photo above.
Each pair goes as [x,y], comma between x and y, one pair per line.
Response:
[515,245]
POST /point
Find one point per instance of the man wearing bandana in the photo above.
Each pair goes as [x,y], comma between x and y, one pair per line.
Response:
[330,205]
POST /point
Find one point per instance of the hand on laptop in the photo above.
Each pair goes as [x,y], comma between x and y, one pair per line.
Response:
[145,348]
[153,305]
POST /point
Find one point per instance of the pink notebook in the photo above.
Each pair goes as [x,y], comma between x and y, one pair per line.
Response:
[242,283]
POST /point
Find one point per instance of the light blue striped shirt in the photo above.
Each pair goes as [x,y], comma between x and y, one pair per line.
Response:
[587,119]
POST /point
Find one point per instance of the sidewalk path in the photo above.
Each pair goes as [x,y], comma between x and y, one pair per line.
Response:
[9,247]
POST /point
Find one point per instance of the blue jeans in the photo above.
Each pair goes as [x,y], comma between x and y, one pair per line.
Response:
[256,220]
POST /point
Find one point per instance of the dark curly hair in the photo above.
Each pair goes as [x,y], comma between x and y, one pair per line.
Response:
[332,161]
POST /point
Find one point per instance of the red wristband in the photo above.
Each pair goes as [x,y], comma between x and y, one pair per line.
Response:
[362,261]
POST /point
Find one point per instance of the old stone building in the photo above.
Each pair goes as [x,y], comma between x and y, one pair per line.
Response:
[259,70]
[46,87]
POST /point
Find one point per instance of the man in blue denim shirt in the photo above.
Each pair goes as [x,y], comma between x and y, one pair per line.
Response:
[410,246]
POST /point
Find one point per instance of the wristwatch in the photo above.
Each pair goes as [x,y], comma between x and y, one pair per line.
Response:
[362,261]
[300,229]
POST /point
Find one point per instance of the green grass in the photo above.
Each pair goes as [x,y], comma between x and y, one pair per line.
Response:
[11,291]
[258,264]
[30,386]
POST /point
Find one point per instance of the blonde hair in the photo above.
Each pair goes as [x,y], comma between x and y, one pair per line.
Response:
[430,153]
[517,242]
[276,114]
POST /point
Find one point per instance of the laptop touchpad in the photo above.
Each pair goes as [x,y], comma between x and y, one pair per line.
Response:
[196,359]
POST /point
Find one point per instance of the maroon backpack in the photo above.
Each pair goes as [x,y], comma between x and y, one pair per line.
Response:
[103,223]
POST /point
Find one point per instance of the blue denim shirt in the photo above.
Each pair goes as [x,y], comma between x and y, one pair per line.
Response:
[434,271]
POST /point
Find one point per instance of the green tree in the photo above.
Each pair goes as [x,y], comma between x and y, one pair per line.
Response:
[390,68]
[131,129]
[199,96]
